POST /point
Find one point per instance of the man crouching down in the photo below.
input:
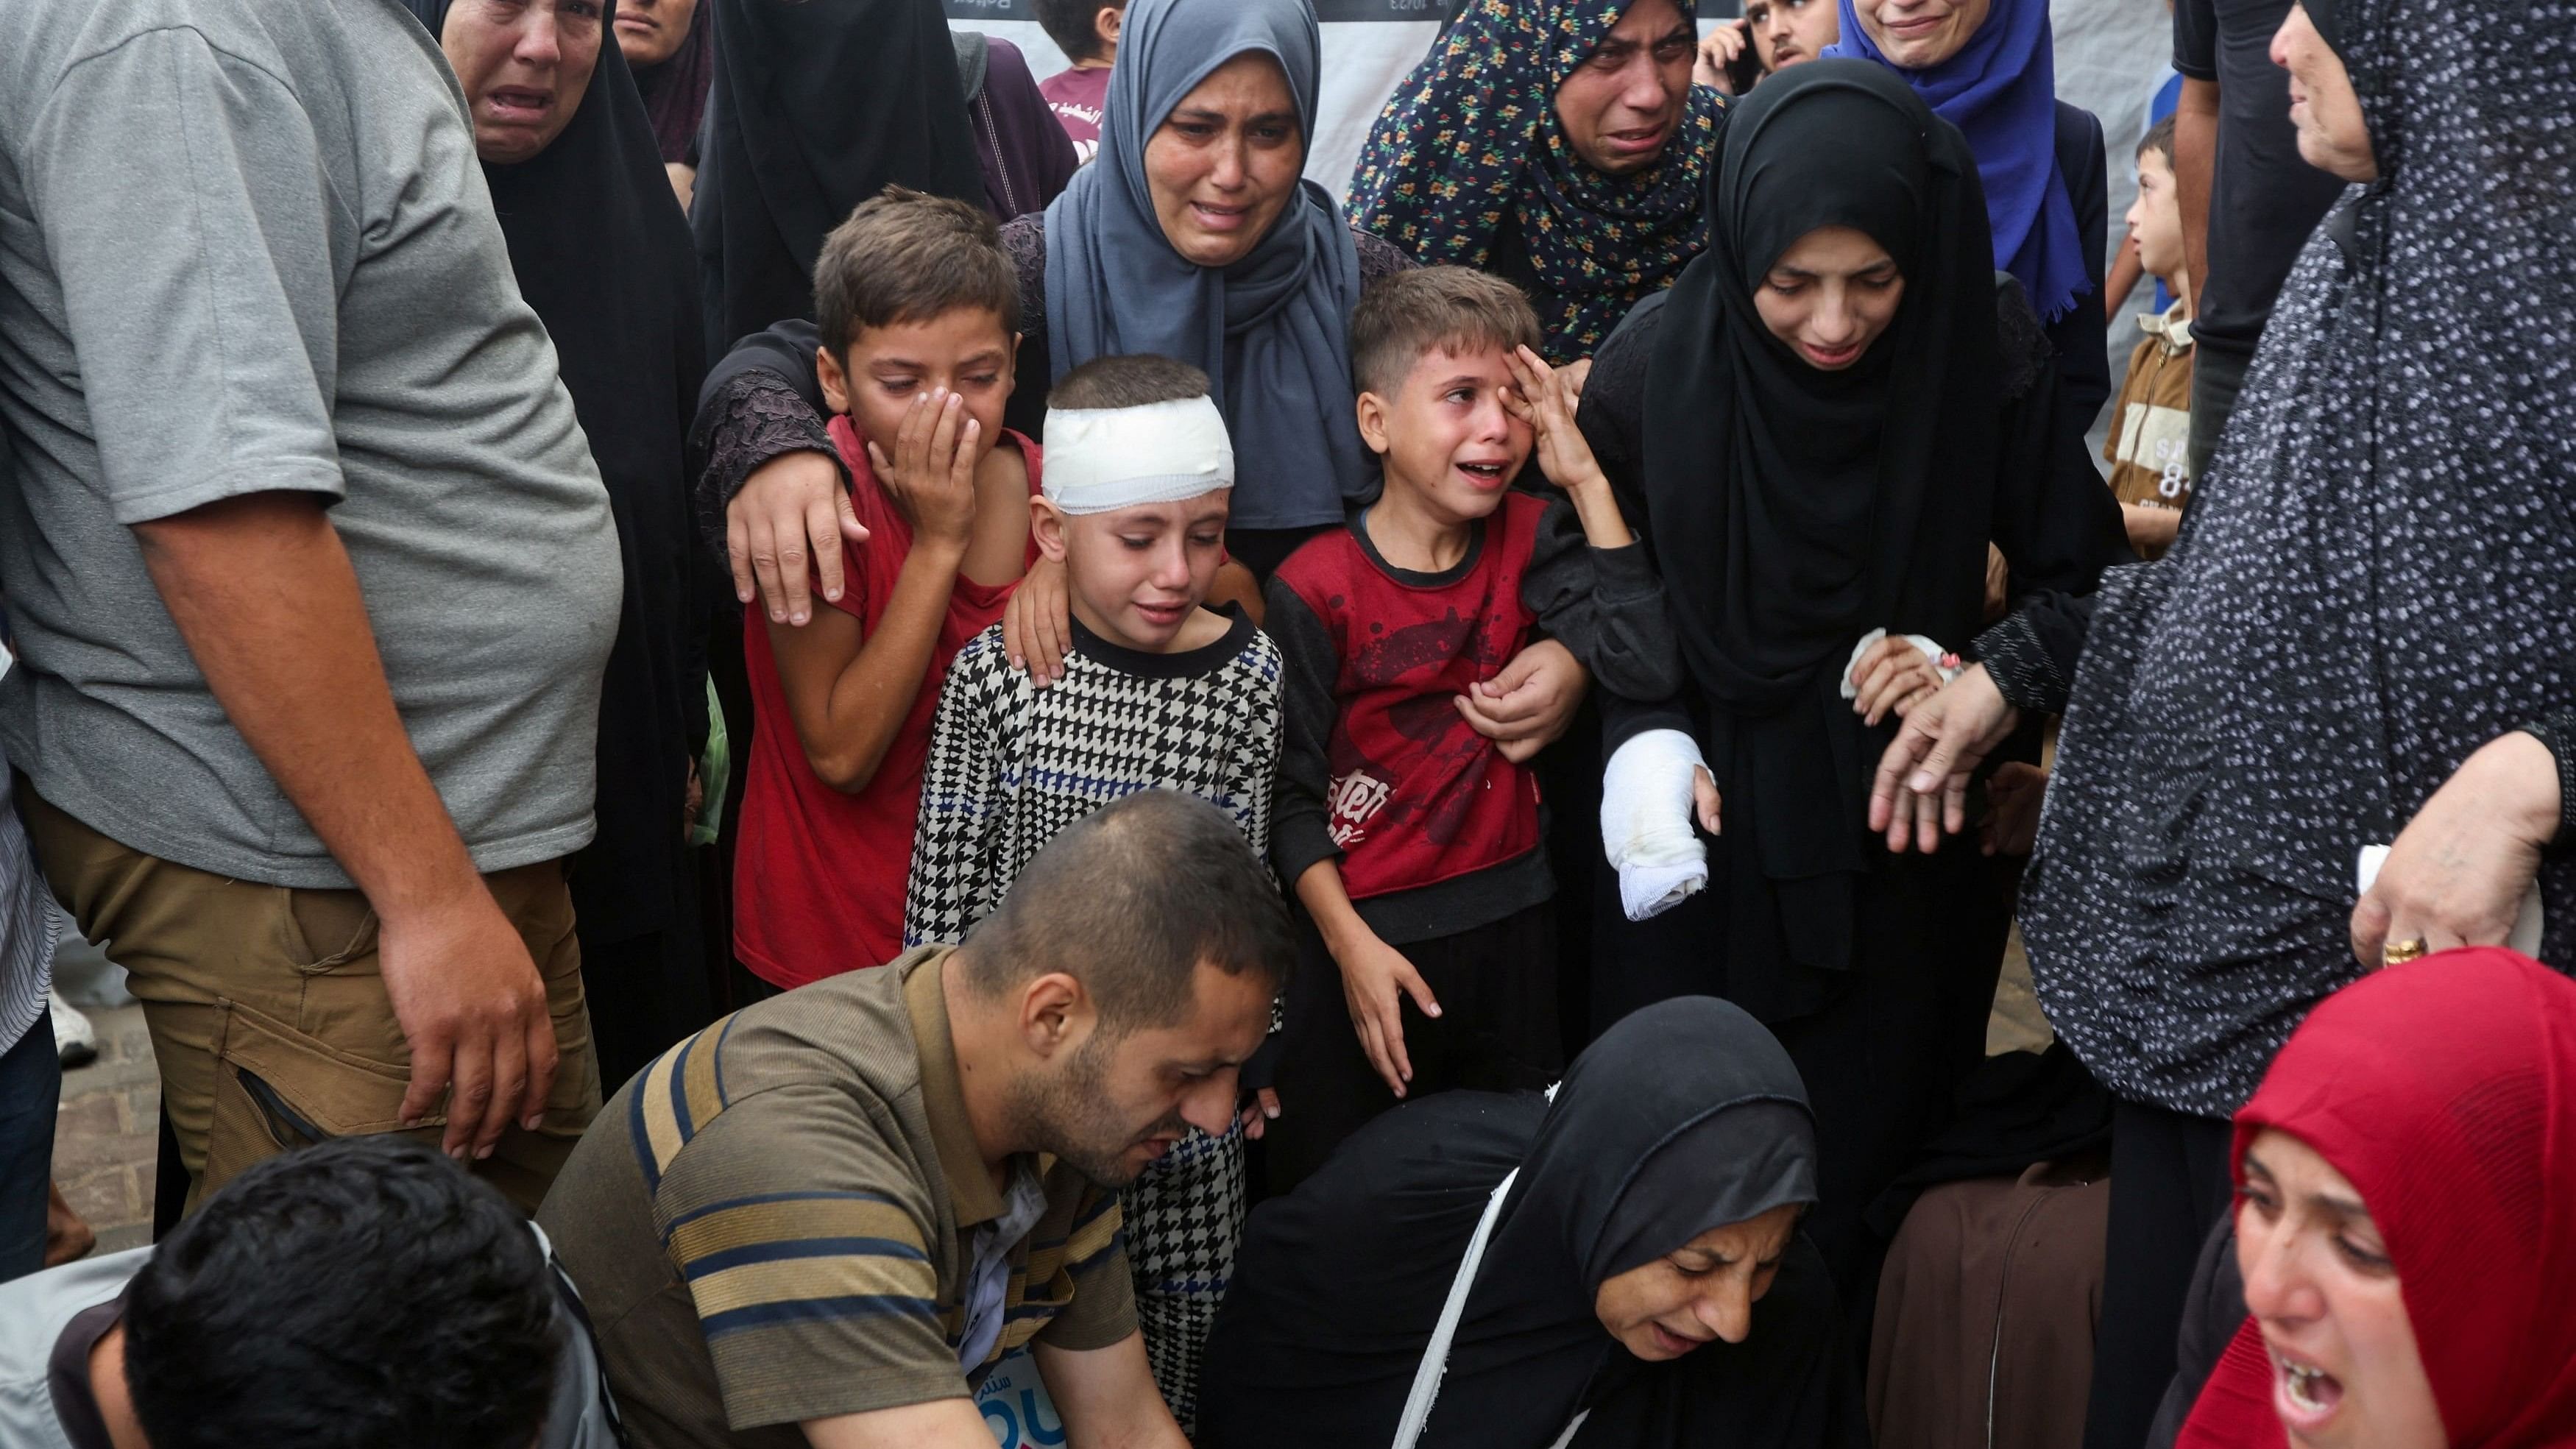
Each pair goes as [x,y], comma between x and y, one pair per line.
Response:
[831,1213]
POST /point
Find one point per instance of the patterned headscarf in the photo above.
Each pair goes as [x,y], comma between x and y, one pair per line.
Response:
[2373,581]
[1470,143]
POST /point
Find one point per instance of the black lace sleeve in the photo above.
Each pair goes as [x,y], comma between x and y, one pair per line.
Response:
[1024,242]
[1380,257]
[756,415]
[2558,732]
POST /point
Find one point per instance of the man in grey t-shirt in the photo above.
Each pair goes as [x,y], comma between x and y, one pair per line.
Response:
[312,573]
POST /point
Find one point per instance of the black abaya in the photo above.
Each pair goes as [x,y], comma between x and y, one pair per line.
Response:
[1685,1117]
[602,255]
[1791,511]
[817,106]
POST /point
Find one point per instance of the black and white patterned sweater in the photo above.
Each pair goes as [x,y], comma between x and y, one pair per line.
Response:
[1010,765]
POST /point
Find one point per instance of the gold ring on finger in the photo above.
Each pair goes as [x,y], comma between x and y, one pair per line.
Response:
[2398,953]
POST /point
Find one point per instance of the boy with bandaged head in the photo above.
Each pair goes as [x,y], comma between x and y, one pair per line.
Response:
[1157,692]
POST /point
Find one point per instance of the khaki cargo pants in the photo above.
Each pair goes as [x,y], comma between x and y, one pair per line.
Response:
[269,1019]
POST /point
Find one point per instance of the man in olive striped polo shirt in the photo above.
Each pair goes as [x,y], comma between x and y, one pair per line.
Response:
[824,1218]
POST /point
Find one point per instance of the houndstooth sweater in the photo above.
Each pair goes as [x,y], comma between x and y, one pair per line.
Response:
[1010,765]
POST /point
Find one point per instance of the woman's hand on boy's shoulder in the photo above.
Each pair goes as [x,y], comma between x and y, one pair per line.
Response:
[1037,632]
[784,532]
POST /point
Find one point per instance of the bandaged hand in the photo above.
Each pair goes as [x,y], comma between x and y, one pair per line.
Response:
[1893,673]
[1654,789]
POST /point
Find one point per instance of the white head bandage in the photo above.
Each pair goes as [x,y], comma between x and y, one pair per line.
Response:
[1098,459]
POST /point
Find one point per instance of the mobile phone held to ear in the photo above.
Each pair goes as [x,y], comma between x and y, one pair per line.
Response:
[1746,68]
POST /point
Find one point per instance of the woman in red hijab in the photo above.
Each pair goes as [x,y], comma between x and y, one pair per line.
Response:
[2407,1220]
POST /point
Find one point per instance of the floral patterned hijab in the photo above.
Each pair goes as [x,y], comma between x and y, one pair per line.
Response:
[1470,145]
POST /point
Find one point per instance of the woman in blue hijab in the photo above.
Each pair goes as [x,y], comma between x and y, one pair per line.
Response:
[1989,68]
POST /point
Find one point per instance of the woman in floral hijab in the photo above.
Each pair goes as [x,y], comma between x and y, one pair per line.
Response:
[1555,143]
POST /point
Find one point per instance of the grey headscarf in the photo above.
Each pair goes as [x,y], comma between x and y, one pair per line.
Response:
[1269,331]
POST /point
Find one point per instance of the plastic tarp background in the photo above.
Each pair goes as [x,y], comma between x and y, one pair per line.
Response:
[2111,57]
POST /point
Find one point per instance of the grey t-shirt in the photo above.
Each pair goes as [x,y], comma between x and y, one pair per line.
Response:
[247,246]
[50,1320]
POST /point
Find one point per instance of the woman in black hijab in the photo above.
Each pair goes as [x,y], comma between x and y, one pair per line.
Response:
[602,255]
[674,86]
[1585,1251]
[817,106]
[1797,500]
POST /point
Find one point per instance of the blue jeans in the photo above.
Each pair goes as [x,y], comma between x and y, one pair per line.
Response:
[31,1089]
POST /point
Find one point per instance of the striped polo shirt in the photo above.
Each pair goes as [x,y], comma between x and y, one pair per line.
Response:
[773,1222]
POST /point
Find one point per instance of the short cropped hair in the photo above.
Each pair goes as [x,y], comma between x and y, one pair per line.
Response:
[1129,900]
[1068,24]
[1407,314]
[365,1293]
[905,256]
[1128,382]
[2159,139]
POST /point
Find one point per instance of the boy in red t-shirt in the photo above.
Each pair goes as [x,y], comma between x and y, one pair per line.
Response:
[1414,843]
[919,309]
[1087,32]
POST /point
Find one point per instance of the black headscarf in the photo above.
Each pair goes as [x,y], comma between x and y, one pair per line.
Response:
[1685,1116]
[1792,510]
[602,255]
[675,92]
[2328,20]
[817,106]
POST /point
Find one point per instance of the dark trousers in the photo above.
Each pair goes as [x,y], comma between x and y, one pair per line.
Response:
[31,1089]
[646,993]
[1569,780]
[1496,1032]
[747,988]
[2170,1184]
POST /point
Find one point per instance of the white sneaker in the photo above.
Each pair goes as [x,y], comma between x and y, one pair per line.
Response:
[74,1037]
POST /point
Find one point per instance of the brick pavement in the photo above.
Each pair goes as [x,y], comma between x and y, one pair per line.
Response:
[105,1141]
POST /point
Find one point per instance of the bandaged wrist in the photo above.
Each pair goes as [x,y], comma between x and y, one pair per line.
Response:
[1943,664]
[1647,830]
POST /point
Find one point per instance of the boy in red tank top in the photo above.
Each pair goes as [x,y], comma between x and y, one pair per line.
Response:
[919,309]
[1414,843]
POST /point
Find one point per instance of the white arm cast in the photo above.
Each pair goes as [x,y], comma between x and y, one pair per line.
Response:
[1646,827]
